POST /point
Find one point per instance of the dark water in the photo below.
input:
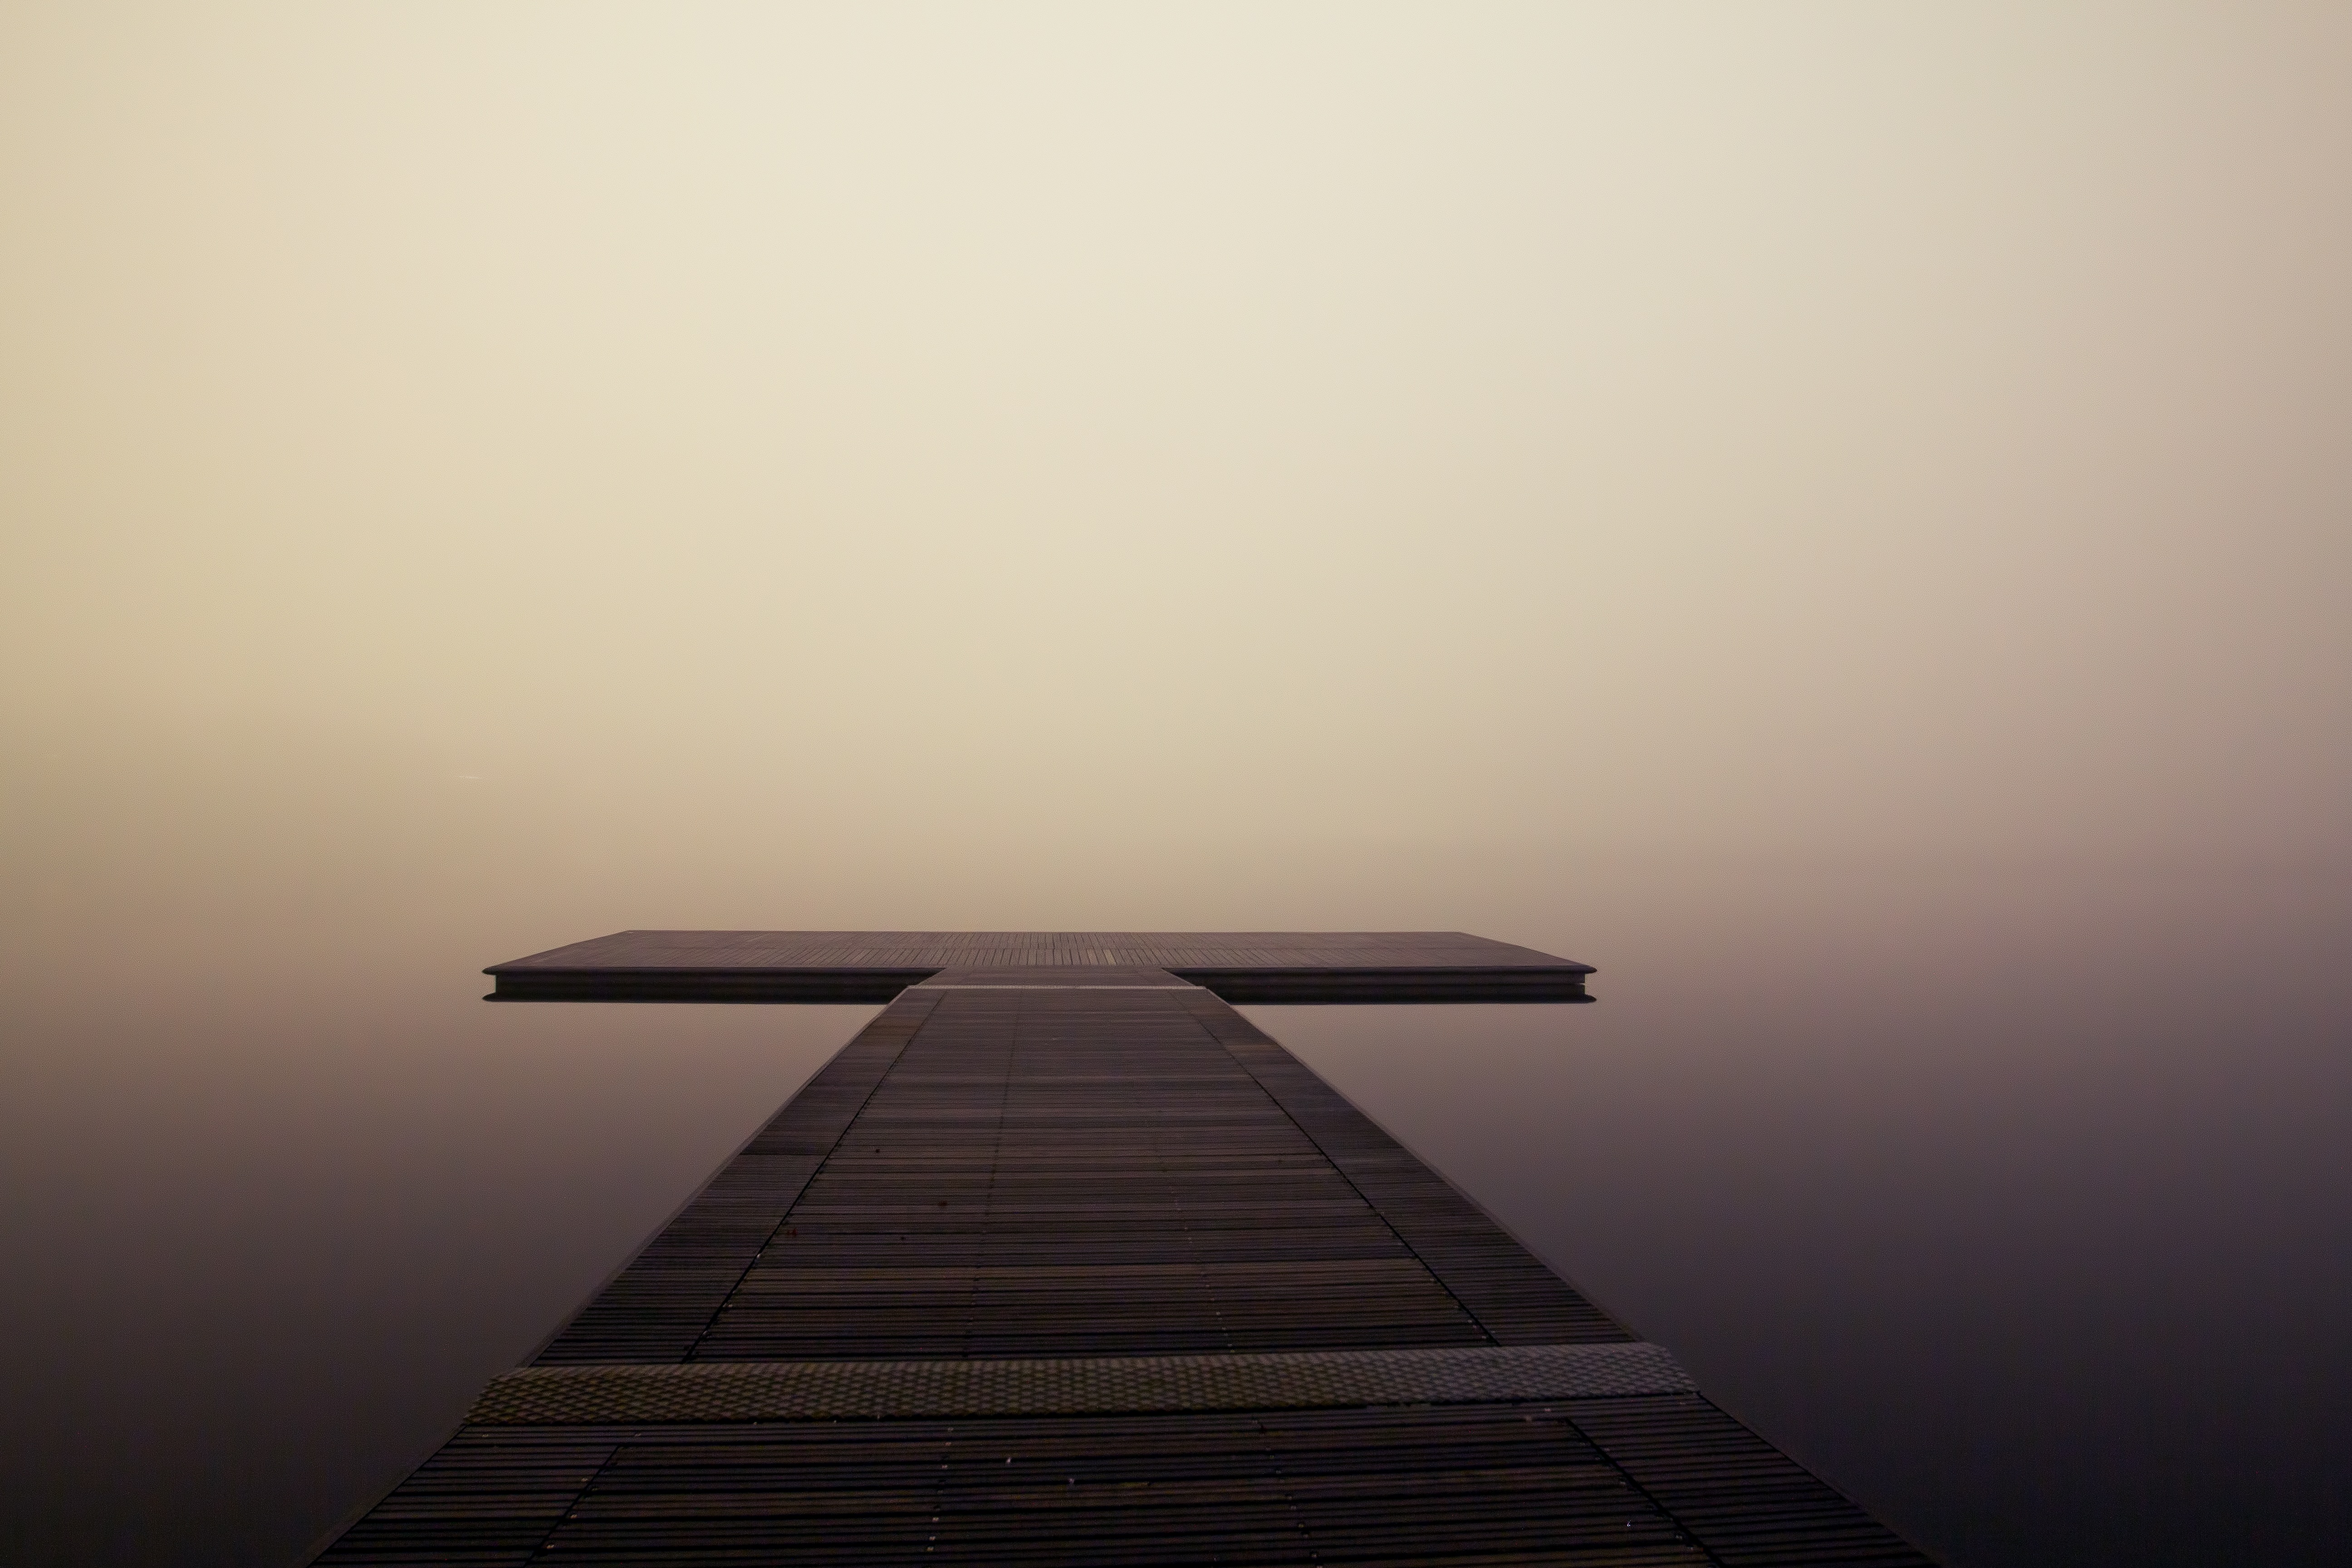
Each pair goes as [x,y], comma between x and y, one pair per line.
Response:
[2017,1202]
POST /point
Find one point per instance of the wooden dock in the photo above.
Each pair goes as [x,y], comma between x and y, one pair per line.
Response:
[1062,1261]
[1242,967]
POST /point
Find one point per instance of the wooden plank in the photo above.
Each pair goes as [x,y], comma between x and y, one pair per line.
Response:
[704,1391]
[1743,1499]
[1463,1484]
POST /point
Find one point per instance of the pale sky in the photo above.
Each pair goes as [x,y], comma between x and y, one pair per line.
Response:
[782,446]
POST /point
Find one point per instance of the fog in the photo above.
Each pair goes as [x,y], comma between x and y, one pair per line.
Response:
[1835,514]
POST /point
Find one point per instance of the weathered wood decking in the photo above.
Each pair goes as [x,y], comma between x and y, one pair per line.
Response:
[1064,1260]
[874,966]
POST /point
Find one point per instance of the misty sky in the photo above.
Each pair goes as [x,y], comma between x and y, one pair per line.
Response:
[1838,514]
[810,441]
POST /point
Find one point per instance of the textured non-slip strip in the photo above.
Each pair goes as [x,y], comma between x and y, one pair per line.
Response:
[614,1394]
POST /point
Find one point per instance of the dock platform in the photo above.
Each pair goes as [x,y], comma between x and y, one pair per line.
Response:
[1062,1259]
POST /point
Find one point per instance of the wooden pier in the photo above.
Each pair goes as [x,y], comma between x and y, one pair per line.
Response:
[1062,1261]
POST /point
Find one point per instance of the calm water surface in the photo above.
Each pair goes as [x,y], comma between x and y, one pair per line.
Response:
[2015,1202]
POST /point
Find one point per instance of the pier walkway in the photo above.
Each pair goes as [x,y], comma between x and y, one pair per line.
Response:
[1061,1260]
